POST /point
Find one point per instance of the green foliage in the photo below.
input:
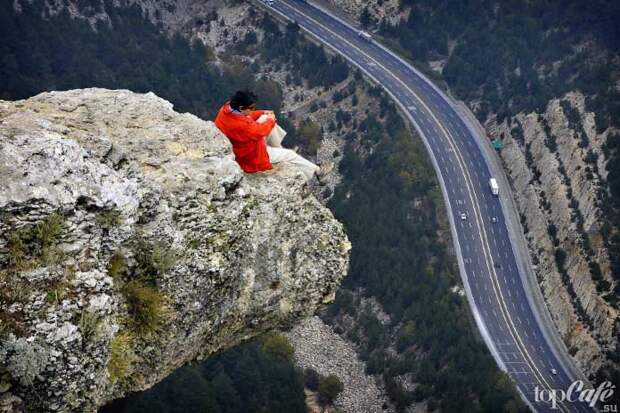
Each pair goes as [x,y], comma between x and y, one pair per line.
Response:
[244,379]
[36,245]
[311,61]
[516,56]
[246,45]
[269,94]
[311,379]
[277,345]
[89,325]
[146,306]
[109,218]
[152,260]
[611,208]
[57,290]
[122,357]
[61,53]
[503,48]
[610,373]
[309,136]
[329,388]
[117,265]
[406,336]
[193,243]
[412,282]
[560,258]
[16,251]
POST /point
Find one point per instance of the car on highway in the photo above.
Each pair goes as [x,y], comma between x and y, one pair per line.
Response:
[365,36]
[493,219]
[463,216]
[554,372]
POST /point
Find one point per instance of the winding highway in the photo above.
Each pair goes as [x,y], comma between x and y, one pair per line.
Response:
[492,268]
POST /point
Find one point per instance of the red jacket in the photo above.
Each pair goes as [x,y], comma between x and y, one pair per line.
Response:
[247,137]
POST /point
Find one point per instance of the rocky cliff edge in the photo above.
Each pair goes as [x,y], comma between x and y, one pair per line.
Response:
[131,243]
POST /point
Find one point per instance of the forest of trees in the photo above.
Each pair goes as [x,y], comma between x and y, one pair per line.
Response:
[309,61]
[505,51]
[254,377]
[61,53]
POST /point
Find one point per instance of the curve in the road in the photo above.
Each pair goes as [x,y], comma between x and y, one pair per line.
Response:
[498,298]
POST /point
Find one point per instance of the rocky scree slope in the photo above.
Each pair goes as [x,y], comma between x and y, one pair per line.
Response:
[131,243]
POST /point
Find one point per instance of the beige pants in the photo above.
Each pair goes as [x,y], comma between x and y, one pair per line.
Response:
[278,154]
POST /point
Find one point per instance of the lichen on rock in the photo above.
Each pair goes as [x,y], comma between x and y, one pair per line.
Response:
[131,243]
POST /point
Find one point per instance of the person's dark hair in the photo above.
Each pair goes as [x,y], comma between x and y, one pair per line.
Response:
[243,98]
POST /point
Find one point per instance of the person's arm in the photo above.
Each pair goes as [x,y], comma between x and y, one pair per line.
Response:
[257,131]
[256,114]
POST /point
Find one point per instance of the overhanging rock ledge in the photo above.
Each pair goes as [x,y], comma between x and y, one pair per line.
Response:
[131,243]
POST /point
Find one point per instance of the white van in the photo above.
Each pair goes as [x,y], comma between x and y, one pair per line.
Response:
[494,187]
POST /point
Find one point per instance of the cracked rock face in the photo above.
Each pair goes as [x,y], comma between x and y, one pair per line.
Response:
[131,243]
[544,176]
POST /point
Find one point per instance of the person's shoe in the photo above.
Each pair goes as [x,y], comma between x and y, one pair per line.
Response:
[324,170]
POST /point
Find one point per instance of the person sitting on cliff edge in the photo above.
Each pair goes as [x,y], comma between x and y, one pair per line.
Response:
[256,138]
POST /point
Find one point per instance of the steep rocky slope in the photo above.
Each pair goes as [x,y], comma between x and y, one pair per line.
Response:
[556,165]
[189,17]
[373,10]
[131,243]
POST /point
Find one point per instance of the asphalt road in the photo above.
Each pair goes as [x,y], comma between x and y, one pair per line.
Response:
[495,289]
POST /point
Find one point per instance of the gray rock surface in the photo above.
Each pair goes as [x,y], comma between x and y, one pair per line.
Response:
[120,174]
